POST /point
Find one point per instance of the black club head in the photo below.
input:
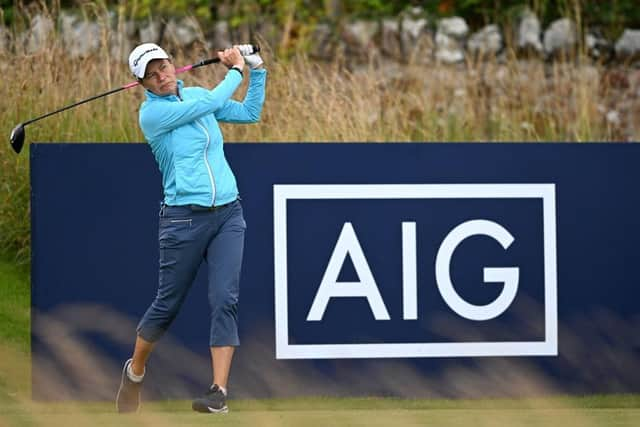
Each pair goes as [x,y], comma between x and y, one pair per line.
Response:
[17,138]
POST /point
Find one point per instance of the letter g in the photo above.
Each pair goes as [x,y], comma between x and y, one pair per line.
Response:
[507,276]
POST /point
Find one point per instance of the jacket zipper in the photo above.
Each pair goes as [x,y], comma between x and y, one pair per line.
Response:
[206,162]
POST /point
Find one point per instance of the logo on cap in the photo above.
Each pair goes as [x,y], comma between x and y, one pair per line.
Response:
[135,62]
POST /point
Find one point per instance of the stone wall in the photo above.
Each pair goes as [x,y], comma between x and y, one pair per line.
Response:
[409,37]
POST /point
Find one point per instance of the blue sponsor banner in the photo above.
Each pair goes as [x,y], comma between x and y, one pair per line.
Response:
[447,270]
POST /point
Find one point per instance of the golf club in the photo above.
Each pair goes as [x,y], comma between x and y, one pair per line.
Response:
[18,134]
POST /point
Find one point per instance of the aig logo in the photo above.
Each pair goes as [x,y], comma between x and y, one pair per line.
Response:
[360,270]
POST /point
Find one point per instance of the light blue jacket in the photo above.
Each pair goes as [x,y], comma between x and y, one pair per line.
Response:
[186,141]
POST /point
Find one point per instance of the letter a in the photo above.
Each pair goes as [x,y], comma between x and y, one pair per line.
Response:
[329,287]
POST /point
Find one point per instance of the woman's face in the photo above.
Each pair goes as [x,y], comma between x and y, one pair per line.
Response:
[160,77]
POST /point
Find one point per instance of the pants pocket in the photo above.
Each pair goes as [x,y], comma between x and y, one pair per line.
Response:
[173,231]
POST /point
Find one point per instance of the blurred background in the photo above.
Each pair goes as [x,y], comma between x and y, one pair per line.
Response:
[339,71]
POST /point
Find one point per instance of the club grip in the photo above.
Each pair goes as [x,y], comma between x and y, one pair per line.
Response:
[254,48]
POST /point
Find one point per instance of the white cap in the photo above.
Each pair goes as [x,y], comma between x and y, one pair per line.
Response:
[142,55]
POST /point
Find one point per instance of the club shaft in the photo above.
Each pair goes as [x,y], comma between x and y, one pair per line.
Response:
[74,105]
[112,91]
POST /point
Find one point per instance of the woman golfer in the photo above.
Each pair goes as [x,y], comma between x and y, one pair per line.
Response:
[201,217]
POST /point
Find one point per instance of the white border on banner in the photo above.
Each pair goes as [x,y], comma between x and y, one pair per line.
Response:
[284,192]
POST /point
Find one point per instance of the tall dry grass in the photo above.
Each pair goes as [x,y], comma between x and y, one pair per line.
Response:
[512,100]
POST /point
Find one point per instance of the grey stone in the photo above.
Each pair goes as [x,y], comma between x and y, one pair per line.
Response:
[358,38]
[122,36]
[80,37]
[185,32]
[150,32]
[417,39]
[613,118]
[628,45]
[454,27]
[529,29]
[449,40]
[414,28]
[486,41]
[361,32]
[221,35]
[561,37]
[121,40]
[448,49]
[41,30]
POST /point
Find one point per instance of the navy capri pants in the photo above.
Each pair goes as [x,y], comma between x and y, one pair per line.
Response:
[188,236]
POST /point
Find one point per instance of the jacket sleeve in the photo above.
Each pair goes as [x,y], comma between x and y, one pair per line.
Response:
[158,118]
[247,111]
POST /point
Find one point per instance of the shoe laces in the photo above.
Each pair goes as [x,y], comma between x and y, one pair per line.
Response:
[215,390]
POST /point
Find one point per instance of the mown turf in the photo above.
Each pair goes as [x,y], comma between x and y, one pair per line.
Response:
[14,306]
[15,348]
[560,411]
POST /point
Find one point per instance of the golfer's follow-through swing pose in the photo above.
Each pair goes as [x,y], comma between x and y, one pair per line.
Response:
[201,217]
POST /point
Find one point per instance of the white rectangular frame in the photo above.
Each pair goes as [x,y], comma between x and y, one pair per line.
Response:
[285,192]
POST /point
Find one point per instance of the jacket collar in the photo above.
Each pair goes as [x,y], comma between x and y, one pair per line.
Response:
[172,97]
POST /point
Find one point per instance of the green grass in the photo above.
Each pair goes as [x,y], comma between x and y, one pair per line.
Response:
[15,301]
[15,323]
[608,411]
